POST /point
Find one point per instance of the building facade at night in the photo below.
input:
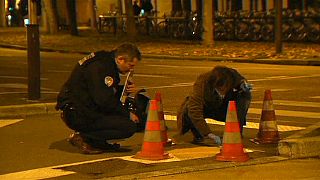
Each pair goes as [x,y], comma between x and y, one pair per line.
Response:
[105,7]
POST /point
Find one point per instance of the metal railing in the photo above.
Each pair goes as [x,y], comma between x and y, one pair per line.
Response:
[239,26]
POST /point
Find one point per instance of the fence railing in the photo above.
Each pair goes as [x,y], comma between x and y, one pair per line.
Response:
[240,26]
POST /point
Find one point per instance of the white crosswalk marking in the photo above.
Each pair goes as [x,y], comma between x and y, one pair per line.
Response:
[251,125]
[288,113]
[292,103]
[279,112]
[6,122]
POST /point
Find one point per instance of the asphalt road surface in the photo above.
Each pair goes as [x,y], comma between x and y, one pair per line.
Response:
[36,145]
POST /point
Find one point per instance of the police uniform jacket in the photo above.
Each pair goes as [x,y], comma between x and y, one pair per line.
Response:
[93,88]
[205,100]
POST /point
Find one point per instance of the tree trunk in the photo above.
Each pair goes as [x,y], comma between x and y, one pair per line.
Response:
[131,27]
[176,6]
[72,15]
[92,12]
[2,14]
[50,23]
[186,5]
[208,23]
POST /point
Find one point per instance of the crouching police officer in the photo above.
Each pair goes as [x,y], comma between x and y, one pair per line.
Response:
[90,100]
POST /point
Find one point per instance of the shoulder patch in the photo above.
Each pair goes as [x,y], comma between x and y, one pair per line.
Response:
[108,81]
[85,59]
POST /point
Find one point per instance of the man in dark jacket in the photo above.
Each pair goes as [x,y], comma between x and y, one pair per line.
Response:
[90,99]
[209,99]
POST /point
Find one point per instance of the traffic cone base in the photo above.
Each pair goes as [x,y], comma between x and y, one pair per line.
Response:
[151,153]
[232,148]
[266,137]
[239,158]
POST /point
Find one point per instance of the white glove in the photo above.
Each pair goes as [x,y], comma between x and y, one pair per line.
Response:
[216,139]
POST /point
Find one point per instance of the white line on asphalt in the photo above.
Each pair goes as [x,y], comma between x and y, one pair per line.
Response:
[56,171]
[169,86]
[7,122]
[251,125]
[287,113]
[19,77]
[276,77]
[13,77]
[254,80]
[280,90]
[292,103]
[148,75]
[206,67]
[59,71]
[283,78]
[165,66]
[17,86]
[24,92]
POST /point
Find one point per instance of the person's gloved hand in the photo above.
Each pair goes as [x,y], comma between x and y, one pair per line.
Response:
[216,139]
[245,87]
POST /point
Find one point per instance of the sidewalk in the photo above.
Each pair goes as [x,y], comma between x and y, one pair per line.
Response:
[255,52]
[305,144]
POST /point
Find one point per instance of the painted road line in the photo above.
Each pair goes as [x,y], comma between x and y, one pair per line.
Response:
[148,76]
[292,103]
[24,92]
[18,86]
[18,77]
[46,172]
[250,125]
[287,113]
[283,78]
[40,173]
[56,171]
[7,122]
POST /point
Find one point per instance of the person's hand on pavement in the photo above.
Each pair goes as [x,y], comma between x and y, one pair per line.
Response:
[216,139]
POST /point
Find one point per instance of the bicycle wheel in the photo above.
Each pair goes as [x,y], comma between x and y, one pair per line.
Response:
[267,32]
[163,29]
[242,31]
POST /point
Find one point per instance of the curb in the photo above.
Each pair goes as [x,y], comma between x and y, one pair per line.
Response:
[303,144]
[205,167]
[27,109]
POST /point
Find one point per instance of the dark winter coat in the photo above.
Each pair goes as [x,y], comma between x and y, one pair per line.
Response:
[92,88]
[204,99]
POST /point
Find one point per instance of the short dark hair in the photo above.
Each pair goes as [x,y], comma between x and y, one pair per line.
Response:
[128,49]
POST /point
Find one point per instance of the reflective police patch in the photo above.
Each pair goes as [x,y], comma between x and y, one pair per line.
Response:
[83,60]
[108,81]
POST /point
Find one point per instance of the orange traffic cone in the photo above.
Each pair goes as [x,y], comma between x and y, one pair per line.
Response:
[232,148]
[268,128]
[164,135]
[152,148]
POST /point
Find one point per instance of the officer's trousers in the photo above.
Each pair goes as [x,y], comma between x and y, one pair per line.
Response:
[102,129]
